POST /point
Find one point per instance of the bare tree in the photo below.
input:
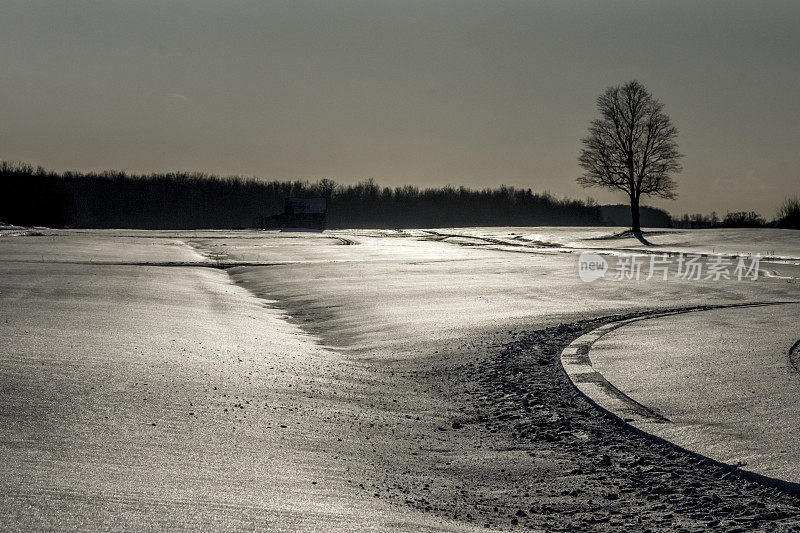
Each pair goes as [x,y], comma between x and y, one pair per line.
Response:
[631,147]
[789,213]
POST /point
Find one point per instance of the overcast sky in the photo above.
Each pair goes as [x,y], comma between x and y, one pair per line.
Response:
[476,93]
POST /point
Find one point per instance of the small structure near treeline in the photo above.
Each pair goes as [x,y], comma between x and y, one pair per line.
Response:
[299,213]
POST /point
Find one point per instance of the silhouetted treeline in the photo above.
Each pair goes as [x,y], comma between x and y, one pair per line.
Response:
[738,219]
[650,217]
[789,214]
[193,200]
[367,205]
[788,217]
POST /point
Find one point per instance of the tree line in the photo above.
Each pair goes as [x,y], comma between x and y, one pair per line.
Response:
[788,216]
[183,200]
[39,197]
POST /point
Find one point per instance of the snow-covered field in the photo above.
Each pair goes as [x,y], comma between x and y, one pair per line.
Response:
[400,289]
[728,387]
[336,380]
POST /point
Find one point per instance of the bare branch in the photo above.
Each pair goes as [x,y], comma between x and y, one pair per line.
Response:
[632,147]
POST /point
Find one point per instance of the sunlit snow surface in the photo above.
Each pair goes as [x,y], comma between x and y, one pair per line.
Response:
[146,327]
[397,288]
[363,289]
[723,378]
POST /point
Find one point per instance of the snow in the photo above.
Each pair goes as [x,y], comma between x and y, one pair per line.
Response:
[282,320]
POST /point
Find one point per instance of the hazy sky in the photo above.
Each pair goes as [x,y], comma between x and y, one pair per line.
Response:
[425,92]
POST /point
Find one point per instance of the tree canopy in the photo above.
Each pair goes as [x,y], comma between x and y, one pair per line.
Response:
[632,146]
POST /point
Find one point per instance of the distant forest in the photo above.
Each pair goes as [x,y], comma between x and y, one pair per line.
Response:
[37,197]
[620,215]
[788,217]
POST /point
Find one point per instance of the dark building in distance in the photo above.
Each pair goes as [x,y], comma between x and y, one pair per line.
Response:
[300,213]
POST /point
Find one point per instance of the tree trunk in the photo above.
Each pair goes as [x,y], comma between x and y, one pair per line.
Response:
[635,227]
